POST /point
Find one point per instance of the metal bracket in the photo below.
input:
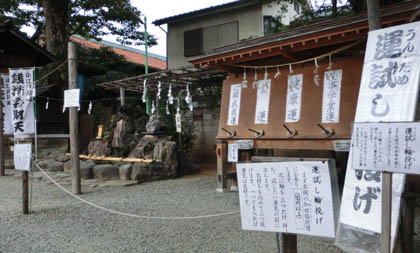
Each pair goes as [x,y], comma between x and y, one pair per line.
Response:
[326,131]
[230,133]
[258,133]
[290,132]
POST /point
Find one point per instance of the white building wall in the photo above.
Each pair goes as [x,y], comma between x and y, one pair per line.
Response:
[274,9]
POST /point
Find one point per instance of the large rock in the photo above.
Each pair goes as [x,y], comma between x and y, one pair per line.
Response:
[145,147]
[153,124]
[165,151]
[50,165]
[99,148]
[123,134]
[125,171]
[106,172]
[67,166]
[142,172]
[62,158]
[86,169]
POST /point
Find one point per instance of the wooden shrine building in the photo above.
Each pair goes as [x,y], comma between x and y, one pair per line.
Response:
[295,51]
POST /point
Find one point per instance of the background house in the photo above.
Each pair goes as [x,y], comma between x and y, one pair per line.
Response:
[195,33]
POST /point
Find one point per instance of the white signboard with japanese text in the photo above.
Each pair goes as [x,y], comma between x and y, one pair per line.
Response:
[393,147]
[294,98]
[72,98]
[245,144]
[22,155]
[388,93]
[7,105]
[234,105]
[233,152]
[286,197]
[22,90]
[263,101]
[331,96]
[178,122]
[391,71]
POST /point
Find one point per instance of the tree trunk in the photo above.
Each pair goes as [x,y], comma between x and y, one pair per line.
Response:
[57,26]
[374,15]
[334,8]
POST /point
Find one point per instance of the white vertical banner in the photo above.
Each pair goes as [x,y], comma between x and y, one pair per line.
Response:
[7,105]
[331,96]
[294,98]
[234,105]
[22,89]
[178,122]
[263,101]
[233,152]
[388,93]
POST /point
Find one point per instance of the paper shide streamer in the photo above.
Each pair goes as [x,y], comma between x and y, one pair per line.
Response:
[143,98]
[153,109]
[265,74]
[244,81]
[255,83]
[330,64]
[290,70]
[316,76]
[188,97]
[167,107]
[90,107]
[278,74]
[159,89]
[47,104]
[170,97]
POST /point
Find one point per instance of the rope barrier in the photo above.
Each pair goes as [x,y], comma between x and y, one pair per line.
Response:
[48,74]
[132,215]
[320,57]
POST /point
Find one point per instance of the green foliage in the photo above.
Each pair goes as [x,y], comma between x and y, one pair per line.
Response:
[88,18]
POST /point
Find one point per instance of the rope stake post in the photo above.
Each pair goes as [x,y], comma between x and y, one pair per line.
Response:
[74,123]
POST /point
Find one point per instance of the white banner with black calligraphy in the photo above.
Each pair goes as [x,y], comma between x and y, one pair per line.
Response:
[22,89]
[7,106]
[331,96]
[388,93]
[263,101]
[286,197]
[294,98]
[234,104]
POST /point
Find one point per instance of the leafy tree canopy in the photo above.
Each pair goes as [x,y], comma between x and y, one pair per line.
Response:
[88,18]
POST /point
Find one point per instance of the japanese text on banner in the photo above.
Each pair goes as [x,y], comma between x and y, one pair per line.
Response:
[331,96]
[263,102]
[234,105]
[294,97]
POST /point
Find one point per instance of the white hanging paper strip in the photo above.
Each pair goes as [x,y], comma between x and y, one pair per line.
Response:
[278,74]
[143,98]
[22,155]
[263,101]
[188,97]
[244,81]
[331,96]
[153,109]
[47,104]
[170,97]
[191,107]
[287,197]
[233,152]
[294,98]
[22,88]
[388,93]
[72,98]
[234,105]
[316,75]
[90,107]
[167,108]
[7,105]
[178,122]
[159,89]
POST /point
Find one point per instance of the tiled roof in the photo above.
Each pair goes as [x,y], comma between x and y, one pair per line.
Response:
[130,54]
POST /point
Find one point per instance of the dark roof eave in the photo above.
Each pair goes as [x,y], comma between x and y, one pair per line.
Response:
[206,11]
[282,36]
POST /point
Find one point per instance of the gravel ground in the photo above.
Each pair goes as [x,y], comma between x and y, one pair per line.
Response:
[60,223]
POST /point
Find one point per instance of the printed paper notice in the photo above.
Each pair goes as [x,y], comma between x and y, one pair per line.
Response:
[233,152]
[392,147]
[263,102]
[22,156]
[7,105]
[286,197]
[294,97]
[234,105]
[71,98]
[178,122]
[331,96]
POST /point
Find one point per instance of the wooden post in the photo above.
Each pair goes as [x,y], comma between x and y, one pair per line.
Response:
[25,192]
[122,96]
[288,243]
[374,18]
[221,153]
[74,123]
[2,167]
[407,221]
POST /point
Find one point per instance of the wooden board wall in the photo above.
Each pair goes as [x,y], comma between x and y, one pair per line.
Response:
[309,134]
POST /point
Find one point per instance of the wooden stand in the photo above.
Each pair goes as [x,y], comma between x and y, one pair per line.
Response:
[25,192]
